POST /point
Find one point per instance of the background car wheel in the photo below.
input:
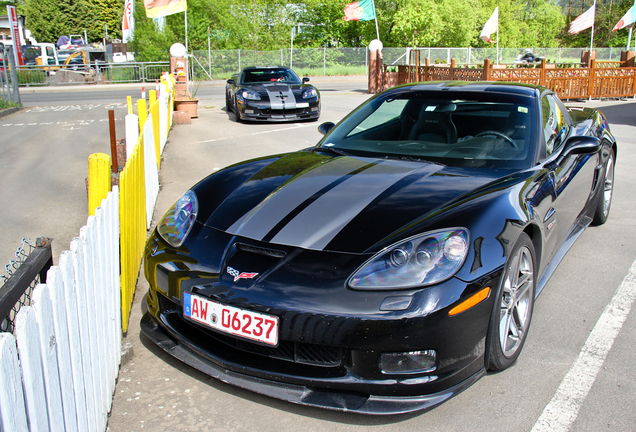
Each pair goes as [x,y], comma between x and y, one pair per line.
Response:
[513,306]
[605,198]
[228,103]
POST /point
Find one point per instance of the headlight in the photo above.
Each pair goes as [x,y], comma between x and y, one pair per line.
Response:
[421,260]
[249,94]
[310,93]
[176,224]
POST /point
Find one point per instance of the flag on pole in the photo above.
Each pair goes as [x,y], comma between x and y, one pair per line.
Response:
[584,21]
[492,26]
[627,19]
[161,8]
[361,10]
[127,22]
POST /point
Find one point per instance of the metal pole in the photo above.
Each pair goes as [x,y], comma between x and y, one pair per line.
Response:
[186,30]
[209,56]
[324,61]
[113,141]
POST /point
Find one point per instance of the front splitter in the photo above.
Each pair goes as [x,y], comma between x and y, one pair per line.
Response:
[302,395]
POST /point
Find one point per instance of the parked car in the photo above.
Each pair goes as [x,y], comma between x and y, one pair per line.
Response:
[390,266]
[271,94]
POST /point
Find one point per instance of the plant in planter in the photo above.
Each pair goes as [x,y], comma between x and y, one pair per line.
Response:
[187,102]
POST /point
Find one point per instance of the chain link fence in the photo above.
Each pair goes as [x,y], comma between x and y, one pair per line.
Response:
[21,254]
[9,91]
[221,64]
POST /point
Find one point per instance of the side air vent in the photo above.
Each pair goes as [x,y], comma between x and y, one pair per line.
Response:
[260,251]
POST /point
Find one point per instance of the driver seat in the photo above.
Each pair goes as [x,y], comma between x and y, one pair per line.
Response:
[435,125]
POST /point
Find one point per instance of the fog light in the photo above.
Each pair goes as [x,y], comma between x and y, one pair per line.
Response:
[408,362]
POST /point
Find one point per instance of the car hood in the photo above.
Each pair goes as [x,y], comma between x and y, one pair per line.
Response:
[342,204]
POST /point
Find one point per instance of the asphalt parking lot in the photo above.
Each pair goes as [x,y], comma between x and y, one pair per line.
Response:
[158,393]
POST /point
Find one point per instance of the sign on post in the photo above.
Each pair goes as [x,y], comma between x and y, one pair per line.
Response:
[15,32]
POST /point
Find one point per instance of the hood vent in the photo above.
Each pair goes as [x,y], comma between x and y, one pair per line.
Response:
[260,251]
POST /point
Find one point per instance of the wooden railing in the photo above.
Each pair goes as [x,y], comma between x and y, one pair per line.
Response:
[601,79]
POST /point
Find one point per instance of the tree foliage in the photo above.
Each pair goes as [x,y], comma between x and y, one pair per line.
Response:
[268,24]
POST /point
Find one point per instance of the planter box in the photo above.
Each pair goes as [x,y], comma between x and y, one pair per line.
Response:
[188,106]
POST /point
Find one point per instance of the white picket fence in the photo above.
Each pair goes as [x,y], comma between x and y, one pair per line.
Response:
[58,370]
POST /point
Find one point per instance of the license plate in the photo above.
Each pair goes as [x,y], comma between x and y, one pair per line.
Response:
[229,319]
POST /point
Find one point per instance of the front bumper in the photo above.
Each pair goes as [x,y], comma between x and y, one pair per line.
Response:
[299,394]
[330,337]
[252,111]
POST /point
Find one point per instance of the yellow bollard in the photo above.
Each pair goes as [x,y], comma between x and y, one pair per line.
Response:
[142,111]
[98,180]
[130,109]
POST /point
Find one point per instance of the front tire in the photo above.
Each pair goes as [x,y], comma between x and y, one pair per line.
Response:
[513,306]
[236,110]
[604,201]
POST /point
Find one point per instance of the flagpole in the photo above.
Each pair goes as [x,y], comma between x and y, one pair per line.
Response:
[377,31]
[592,39]
[497,36]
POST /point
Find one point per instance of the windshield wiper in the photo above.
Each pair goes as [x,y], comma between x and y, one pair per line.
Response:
[331,150]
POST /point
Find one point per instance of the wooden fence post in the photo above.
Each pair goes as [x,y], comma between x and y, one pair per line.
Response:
[427,70]
[487,69]
[542,77]
[591,82]
[452,69]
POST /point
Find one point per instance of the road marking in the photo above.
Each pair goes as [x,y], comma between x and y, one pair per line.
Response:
[214,140]
[257,133]
[281,130]
[564,407]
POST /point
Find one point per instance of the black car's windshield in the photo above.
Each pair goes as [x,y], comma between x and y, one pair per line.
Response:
[480,129]
[269,75]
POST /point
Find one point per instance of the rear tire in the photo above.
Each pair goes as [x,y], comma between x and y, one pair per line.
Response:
[513,306]
[604,201]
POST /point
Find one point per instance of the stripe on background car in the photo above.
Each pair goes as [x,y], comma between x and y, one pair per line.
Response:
[280,96]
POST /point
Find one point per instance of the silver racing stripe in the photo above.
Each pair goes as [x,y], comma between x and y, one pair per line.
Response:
[280,96]
[319,222]
[264,217]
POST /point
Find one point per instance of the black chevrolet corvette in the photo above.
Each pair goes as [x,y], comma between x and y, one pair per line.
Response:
[390,266]
[271,94]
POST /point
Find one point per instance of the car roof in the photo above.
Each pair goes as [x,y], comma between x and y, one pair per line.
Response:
[264,68]
[521,89]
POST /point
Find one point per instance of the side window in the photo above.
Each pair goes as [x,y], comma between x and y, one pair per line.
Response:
[555,125]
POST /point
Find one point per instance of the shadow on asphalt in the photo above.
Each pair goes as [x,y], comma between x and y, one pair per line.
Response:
[287,407]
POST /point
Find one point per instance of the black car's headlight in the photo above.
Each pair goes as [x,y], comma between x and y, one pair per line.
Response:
[418,261]
[250,95]
[310,93]
[176,224]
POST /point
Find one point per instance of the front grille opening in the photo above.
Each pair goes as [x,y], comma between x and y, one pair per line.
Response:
[295,352]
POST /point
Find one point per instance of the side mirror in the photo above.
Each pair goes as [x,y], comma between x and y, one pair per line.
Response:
[580,145]
[305,79]
[231,81]
[325,128]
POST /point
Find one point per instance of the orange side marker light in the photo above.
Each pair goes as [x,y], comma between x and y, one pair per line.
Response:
[473,300]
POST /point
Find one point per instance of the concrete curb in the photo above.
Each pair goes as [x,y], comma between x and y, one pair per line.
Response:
[8,111]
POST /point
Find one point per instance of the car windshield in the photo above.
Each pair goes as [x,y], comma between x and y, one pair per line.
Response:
[462,129]
[270,75]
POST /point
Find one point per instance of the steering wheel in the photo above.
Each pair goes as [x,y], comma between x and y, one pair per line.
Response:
[499,135]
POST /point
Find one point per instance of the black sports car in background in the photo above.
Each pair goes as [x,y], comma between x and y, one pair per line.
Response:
[390,266]
[271,94]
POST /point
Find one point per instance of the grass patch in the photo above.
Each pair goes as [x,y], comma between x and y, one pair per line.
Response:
[6,104]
